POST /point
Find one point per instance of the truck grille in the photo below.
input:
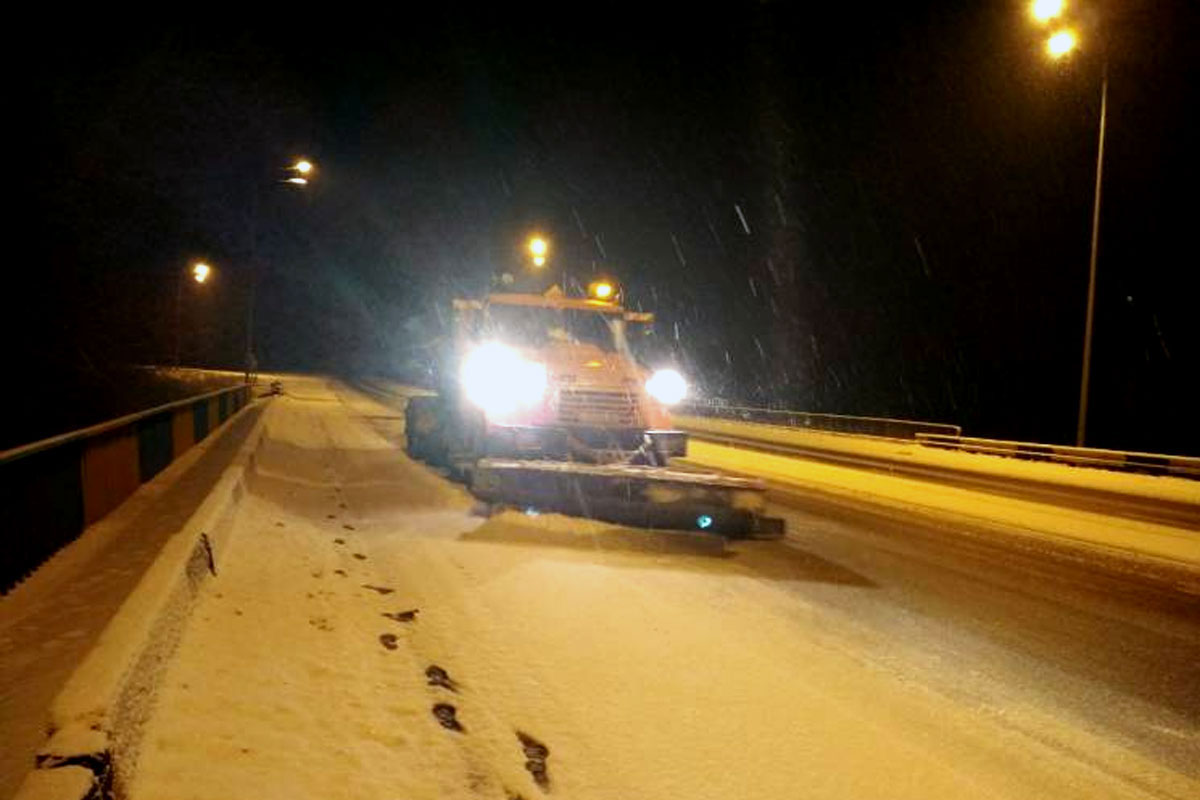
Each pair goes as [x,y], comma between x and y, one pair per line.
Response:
[605,408]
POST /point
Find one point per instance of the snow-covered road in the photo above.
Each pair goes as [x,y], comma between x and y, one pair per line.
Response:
[369,637]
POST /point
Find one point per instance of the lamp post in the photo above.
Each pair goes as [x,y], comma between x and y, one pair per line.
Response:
[199,273]
[1060,44]
[1081,430]
[299,174]
[538,248]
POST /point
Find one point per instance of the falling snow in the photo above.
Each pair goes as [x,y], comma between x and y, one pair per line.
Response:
[678,251]
[742,218]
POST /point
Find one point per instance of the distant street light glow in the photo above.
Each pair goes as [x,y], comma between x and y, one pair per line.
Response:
[539,261]
[200,272]
[1046,10]
[303,167]
[1061,43]
[298,181]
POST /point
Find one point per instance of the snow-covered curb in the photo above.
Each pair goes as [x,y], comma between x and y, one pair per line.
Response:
[1165,546]
[97,718]
[904,454]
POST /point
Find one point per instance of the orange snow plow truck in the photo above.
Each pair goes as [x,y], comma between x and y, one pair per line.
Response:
[541,405]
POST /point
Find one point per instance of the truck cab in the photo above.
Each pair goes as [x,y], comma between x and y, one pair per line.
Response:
[547,376]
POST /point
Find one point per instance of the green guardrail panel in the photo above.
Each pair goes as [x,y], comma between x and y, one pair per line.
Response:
[42,496]
[199,420]
[155,448]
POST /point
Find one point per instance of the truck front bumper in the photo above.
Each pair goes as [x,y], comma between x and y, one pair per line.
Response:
[598,444]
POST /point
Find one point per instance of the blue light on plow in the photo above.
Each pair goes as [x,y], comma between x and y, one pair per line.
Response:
[704,522]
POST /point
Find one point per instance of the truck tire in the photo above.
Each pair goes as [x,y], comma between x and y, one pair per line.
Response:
[424,430]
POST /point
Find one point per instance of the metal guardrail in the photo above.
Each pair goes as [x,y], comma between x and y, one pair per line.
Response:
[50,490]
[949,437]
[774,440]
[1120,460]
[830,423]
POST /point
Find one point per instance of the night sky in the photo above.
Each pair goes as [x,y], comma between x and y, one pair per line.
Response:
[862,212]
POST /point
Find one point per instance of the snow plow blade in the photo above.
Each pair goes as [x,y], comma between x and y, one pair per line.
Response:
[635,496]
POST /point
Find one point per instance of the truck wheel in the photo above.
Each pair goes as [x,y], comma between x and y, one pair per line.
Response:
[465,446]
[424,430]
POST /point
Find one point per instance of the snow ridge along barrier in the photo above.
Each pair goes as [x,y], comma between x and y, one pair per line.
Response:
[713,419]
[1121,460]
[97,719]
[1087,489]
[52,489]
[829,423]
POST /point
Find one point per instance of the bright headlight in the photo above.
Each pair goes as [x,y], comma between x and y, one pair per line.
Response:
[499,381]
[667,386]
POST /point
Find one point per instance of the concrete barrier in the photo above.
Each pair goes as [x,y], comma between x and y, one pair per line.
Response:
[52,489]
[98,718]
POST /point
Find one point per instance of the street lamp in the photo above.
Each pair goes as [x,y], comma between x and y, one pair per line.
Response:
[200,273]
[303,168]
[1045,10]
[301,171]
[1061,43]
[538,249]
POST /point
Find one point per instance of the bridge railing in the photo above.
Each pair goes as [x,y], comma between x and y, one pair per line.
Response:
[52,489]
[1119,460]
[691,416]
[831,423]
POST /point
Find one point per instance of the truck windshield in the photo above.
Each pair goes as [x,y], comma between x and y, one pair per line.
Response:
[535,327]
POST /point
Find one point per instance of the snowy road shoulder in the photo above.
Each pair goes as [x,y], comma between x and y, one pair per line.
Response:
[904,453]
[1024,517]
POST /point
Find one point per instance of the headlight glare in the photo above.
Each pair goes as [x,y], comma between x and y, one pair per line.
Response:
[499,381]
[667,387]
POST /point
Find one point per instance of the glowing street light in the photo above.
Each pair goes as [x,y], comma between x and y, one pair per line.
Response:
[1061,43]
[1045,10]
[538,248]
[303,169]
[200,273]
[301,172]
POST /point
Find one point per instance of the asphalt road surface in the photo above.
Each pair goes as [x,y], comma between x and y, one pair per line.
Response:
[371,635]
